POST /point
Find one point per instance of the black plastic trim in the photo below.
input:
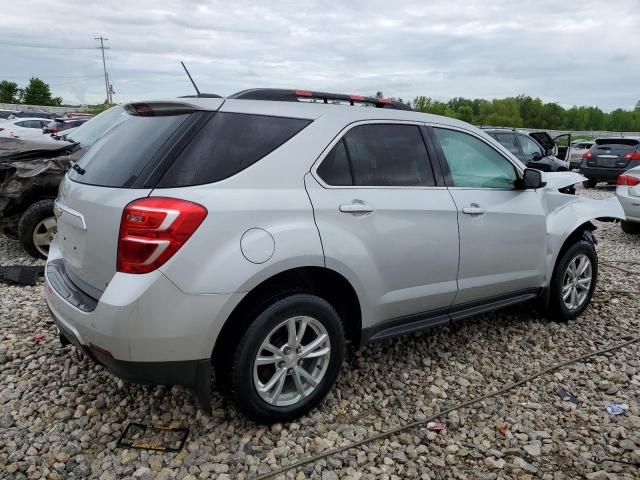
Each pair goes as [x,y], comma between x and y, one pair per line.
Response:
[426,320]
[59,280]
[194,374]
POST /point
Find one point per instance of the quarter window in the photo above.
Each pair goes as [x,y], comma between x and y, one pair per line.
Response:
[473,163]
[379,155]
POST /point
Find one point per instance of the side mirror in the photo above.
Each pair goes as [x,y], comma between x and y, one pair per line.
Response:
[536,157]
[548,152]
[531,179]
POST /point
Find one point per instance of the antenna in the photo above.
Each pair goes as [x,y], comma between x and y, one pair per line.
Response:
[189,75]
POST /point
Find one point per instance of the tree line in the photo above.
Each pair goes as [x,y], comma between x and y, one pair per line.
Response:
[527,112]
[37,92]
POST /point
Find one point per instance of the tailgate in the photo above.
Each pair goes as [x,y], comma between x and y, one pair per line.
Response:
[609,153]
[88,227]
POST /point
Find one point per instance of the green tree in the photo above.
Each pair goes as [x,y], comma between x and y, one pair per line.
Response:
[38,93]
[9,92]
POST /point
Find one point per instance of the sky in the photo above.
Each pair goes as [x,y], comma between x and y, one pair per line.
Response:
[573,52]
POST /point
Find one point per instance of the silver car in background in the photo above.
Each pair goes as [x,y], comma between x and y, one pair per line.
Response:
[256,235]
[578,148]
[628,193]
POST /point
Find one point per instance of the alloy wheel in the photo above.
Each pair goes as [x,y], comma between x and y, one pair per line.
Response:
[291,361]
[43,235]
[577,282]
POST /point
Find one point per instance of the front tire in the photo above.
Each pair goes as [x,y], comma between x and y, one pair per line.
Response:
[630,227]
[36,228]
[573,282]
[288,359]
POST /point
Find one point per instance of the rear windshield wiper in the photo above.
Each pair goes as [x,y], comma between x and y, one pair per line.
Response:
[78,168]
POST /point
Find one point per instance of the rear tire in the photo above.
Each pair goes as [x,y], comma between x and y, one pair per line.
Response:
[590,183]
[302,374]
[570,293]
[630,227]
[37,227]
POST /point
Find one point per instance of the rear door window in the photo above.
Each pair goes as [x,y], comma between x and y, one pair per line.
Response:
[529,147]
[385,155]
[509,141]
[227,144]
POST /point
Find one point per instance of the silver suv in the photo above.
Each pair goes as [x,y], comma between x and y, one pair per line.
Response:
[248,239]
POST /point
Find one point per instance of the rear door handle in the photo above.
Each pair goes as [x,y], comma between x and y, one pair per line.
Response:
[474,209]
[357,206]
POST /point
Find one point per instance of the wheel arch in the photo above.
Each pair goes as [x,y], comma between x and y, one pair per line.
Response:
[321,281]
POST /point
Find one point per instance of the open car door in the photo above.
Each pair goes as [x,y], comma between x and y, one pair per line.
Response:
[563,146]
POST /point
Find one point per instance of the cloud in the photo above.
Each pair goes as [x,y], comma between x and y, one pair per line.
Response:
[578,52]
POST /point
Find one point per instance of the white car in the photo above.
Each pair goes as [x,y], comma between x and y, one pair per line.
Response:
[628,193]
[29,128]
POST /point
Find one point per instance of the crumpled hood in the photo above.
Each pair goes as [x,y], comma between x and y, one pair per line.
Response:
[581,207]
[558,180]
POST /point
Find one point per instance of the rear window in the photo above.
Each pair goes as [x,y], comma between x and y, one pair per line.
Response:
[631,142]
[227,144]
[117,158]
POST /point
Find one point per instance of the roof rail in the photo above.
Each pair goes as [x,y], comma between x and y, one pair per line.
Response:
[285,95]
[202,95]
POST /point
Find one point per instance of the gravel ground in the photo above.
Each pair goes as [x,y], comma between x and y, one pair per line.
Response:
[60,415]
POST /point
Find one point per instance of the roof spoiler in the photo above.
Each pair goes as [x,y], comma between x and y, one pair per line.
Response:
[159,109]
[285,95]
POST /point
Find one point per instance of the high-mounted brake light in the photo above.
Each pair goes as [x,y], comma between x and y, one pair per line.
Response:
[304,93]
[587,155]
[357,98]
[153,229]
[628,180]
[632,156]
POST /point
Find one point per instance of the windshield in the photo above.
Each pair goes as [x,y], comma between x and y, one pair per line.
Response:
[89,132]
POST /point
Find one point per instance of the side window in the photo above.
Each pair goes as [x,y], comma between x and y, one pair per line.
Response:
[388,155]
[227,144]
[335,169]
[508,140]
[23,124]
[529,147]
[473,163]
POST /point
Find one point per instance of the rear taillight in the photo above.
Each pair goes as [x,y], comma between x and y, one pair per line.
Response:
[632,156]
[587,155]
[153,229]
[628,180]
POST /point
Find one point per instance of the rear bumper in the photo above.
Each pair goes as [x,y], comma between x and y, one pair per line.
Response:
[601,174]
[630,204]
[188,373]
[143,328]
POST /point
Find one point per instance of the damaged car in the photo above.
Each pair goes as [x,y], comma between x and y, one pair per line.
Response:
[30,172]
[260,235]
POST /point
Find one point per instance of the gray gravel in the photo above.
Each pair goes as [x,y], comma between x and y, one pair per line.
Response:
[60,416]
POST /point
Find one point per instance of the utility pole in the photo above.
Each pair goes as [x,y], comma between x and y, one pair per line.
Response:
[104,65]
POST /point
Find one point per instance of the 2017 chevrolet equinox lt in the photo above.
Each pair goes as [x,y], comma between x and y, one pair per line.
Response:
[249,238]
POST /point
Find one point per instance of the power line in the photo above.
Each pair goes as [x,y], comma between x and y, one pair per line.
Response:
[51,47]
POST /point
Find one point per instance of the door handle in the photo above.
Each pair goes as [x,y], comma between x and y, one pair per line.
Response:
[357,206]
[474,209]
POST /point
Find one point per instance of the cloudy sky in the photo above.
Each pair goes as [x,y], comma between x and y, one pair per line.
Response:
[581,52]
